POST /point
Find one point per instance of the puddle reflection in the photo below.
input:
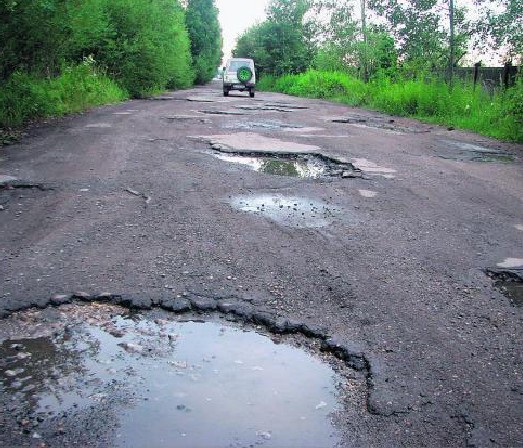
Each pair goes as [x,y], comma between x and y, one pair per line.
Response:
[155,381]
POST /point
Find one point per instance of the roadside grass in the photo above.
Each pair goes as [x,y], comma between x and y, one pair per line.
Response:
[24,97]
[498,115]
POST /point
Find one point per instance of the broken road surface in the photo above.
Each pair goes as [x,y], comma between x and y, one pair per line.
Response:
[379,231]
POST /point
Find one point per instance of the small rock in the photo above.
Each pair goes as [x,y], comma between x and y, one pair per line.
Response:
[265,435]
[131,348]
[60,299]
[82,295]
[177,305]
[349,174]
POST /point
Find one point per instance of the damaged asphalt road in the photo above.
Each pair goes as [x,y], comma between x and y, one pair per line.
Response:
[389,256]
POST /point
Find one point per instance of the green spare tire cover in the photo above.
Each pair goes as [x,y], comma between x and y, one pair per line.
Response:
[244,74]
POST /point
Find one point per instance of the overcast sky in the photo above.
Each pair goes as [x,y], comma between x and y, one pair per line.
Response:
[235,17]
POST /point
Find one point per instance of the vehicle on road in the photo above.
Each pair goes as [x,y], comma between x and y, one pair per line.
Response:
[239,74]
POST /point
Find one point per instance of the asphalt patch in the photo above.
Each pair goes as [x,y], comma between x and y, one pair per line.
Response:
[469,152]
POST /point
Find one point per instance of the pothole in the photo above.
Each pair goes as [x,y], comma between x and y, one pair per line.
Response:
[99,375]
[305,166]
[221,112]
[290,211]
[271,125]
[378,123]
[284,109]
[469,152]
[510,283]
[13,183]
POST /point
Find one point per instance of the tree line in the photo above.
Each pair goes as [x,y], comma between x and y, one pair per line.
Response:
[136,46]
[394,56]
[378,35]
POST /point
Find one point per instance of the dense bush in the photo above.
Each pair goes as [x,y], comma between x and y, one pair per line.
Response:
[499,115]
[140,47]
[25,97]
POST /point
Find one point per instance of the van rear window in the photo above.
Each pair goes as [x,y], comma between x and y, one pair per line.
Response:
[235,65]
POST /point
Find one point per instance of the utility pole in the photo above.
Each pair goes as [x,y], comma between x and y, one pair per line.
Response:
[364,31]
[451,41]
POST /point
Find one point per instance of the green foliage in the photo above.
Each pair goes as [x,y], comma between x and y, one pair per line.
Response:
[24,97]
[505,27]
[149,49]
[205,35]
[499,116]
[143,43]
[282,43]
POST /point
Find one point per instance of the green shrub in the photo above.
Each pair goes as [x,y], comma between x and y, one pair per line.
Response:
[499,115]
[25,97]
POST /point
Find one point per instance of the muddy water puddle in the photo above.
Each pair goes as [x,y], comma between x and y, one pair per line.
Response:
[289,211]
[509,281]
[513,290]
[96,375]
[305,167]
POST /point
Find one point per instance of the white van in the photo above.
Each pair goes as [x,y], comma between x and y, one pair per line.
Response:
[239,74]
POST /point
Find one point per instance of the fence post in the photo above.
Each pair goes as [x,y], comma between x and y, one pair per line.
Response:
[507,69]
[477,65]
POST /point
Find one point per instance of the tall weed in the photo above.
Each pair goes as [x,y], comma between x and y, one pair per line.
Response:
[25,97]
[499,115]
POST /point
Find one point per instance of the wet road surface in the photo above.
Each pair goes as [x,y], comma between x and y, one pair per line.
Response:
[395,239]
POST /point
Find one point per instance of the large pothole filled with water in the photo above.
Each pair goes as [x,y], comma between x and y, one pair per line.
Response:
[305,166]
[98,375]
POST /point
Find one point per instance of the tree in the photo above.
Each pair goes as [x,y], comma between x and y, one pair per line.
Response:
[283,43]
[503,22]
[205,35]
[143,44]
[421,31]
